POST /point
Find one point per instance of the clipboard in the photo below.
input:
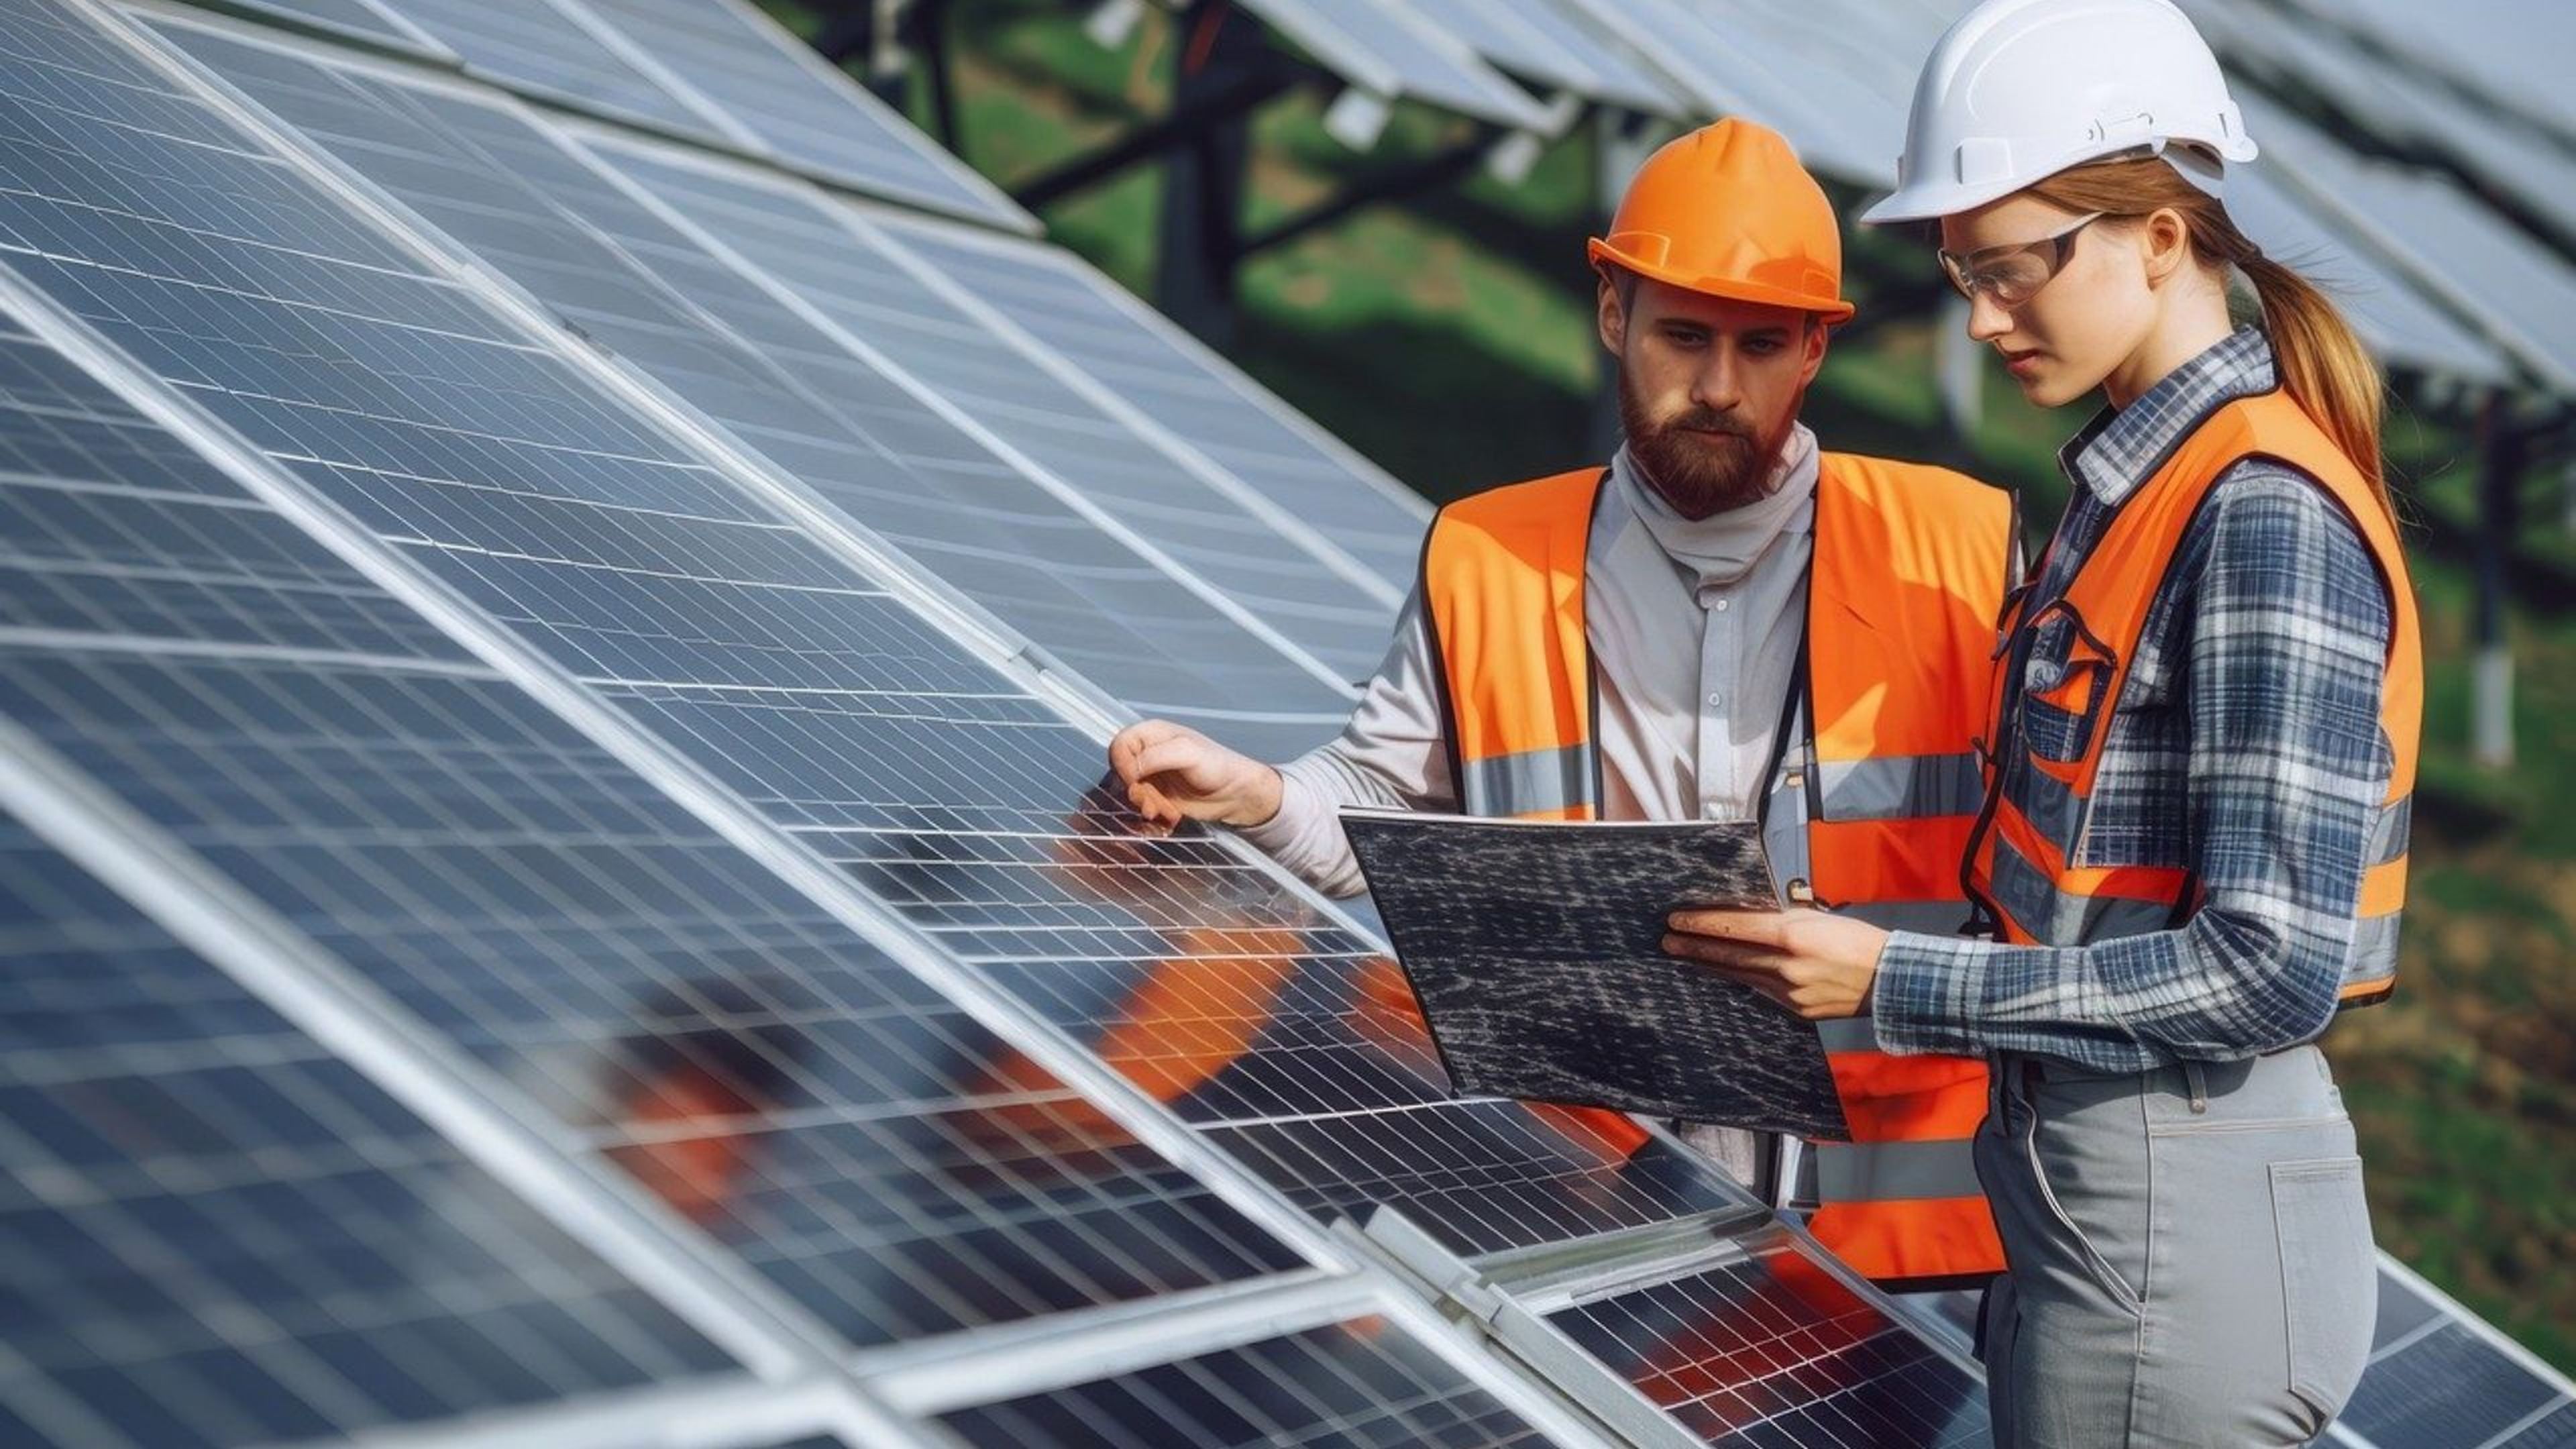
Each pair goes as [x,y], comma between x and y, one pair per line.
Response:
[1535,949]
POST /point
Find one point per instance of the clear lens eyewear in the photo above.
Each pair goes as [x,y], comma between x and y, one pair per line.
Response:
[2014,272]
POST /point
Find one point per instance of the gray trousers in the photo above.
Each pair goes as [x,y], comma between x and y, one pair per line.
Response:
[2190,1256]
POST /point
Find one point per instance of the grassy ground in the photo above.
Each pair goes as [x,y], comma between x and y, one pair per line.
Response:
[1450,340]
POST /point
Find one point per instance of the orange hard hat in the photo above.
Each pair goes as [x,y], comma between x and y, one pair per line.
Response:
[1727,210]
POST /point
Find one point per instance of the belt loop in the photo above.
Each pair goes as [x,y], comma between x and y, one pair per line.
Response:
[2197,1085]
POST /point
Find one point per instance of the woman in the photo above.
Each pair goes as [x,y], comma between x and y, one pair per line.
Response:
[2191,849]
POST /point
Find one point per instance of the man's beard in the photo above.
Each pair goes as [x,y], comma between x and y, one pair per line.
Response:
[1699,475]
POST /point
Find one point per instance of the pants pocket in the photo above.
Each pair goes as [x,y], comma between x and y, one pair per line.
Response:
[2085,1149]
[2329,1276]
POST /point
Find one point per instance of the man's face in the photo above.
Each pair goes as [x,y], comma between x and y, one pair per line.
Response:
[1708,389]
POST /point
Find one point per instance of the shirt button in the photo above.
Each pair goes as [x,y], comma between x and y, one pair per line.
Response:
[1715,699]
[1719,606]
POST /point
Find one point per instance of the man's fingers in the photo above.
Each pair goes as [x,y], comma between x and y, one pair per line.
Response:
[1134,740]
[1157,807]
[1168,757]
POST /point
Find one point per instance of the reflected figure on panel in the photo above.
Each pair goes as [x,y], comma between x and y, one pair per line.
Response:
[690,1097]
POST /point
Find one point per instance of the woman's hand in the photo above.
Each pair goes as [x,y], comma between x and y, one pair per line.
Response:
[1816,964]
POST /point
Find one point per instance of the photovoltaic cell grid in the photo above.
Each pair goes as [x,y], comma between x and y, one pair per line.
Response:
[359,19]
[1397,51]
[845,718]
[2505,47]
[882,1159]
[216,1232]
[808,113]
[1771,1350]
[534,45]
[556,226]
[2434,1379]
[2397,103]
[836,265]
[1073,310]
[1362,1384]
[1351,1177]
[2514,289]
[1204,1038]
[1543,40]
[1821,87]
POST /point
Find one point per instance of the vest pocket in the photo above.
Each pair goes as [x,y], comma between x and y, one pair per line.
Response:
[2329,1276]
[2065,686]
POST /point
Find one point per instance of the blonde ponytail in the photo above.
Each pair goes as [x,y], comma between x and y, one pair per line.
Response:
[2321,362]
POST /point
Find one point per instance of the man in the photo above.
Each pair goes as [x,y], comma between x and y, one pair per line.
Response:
[1725,624]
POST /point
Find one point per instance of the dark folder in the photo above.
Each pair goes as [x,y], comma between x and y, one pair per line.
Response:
[1536,951]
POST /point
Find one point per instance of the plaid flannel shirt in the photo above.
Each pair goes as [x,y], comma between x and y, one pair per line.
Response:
[2245,748]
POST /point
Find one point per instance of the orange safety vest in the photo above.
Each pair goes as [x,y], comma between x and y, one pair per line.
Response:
[1871,816]
[2030,865]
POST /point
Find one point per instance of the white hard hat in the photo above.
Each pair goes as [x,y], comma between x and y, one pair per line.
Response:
[2018,90]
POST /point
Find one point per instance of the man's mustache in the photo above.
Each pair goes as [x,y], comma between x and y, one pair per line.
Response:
[1702,420]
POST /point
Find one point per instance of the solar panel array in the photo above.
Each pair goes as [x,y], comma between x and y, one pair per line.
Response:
[550,691]
[565,577]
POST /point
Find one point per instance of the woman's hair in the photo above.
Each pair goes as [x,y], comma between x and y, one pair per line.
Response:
[2324,366]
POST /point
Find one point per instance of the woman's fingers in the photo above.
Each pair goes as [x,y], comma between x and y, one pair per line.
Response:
[1796,984]
[1765,928]
[1722,951]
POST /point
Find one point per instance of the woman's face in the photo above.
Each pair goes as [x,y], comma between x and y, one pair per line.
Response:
[2083,321]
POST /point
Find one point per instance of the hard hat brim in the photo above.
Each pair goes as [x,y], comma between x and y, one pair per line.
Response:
[1933,201]
[1735,289]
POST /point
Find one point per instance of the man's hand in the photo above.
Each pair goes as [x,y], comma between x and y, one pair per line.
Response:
[1173,774]
[1816,964]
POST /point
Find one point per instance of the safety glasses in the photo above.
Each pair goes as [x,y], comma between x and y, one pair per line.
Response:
[2013,272]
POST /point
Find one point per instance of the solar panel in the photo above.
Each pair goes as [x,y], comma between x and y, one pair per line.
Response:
[1390,49]
[1767,1348]
[739,1061]
[493,181]
[2514,290]
[855,1137]
[2508,48]
[832,261]
[2392,317]
[2437,1376]
[521,894]
[540,48]
[1139,357]
[810,114]
[1814,88]
[2399,103]
[217,1232]
[1363,1384]
[1547,41]
[797,683]
[362,20]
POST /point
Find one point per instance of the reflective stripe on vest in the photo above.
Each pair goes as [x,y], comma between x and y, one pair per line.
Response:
[2033,862]
[1532,782]
[1907,580]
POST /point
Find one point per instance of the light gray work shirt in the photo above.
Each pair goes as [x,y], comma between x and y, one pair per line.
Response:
[1694,629]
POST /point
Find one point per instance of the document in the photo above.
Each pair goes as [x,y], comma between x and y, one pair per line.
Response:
[1536,951]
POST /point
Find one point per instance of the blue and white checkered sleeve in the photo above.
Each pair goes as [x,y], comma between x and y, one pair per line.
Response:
[2290,626]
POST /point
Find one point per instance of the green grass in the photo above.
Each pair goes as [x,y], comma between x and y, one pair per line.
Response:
[1450,339]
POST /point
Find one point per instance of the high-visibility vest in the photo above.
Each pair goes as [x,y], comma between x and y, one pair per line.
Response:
[1870,815]
[2031,867]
